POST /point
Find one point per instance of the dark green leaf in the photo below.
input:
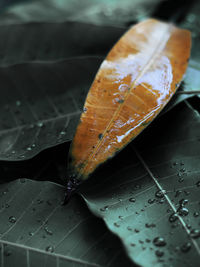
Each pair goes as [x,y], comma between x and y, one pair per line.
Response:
[126,193]
[40,104]
[36,230]
[54,41]
[98,12]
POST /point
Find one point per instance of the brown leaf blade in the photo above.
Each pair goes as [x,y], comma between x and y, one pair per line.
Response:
[134,83]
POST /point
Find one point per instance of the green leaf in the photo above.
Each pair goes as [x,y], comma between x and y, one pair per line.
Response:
[36,230]
[98,12]
[41,104]
[138,192]
[54,41]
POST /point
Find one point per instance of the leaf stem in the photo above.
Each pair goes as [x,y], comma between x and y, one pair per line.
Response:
[188,92]
[72,185]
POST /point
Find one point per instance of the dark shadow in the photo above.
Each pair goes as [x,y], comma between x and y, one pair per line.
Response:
[173,10]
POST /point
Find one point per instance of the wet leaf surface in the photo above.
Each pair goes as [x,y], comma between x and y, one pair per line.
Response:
[36,230]
[154,192]
[127,197]
[19,43]
[41,104]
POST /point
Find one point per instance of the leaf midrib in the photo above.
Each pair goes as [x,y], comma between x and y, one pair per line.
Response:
[19,127]
[57,255]
[156,52]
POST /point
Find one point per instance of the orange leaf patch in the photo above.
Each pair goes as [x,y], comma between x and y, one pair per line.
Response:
[135,81]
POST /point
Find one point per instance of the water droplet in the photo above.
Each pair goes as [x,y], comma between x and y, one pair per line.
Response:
[136,231]
[116,224]
[84,109]
[5,192]
[120,101]
[62,133]
[198,184]
[195,233]
[22,180]
[147,240]
[196,214]
[179,174]
[159,242]
[40,124]
[129,228]
[12,219]
[189,226]
[31,233]
[181,179]
[18,103]
[182,211]
[13,152]
[7,205]
[150,225]
[151,201]
[49,232]
[182,163]
[132,245]
[39,201]
[159,253]
[50,249]
[29,148]
[161,201]
[160,193]
[33,145]
[183,202]
[7,253]
[104,208]
[173,217]
[100,136]
[121,217]
[183,169]
[186,193]
[132,199]
[186,247]
[137,186]
[175,163]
